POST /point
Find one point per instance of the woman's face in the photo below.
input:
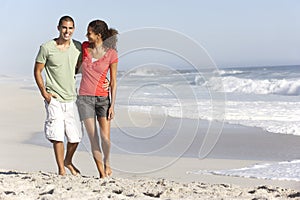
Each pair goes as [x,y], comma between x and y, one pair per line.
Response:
[92,37]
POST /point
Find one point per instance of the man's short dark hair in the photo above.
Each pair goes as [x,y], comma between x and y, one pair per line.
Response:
[66,18]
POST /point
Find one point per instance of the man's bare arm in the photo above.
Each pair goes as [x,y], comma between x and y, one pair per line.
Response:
[38,68]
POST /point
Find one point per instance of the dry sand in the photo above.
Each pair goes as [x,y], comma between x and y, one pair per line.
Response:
[45,185]
[29,170]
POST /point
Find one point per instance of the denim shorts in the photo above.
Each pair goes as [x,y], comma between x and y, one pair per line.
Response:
[92,106]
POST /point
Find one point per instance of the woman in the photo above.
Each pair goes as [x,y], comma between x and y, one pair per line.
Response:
[95,102]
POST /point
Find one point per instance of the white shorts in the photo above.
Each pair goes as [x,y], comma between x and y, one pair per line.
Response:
[62,120]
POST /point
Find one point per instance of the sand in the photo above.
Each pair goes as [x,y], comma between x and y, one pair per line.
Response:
[45,185]
[28,170]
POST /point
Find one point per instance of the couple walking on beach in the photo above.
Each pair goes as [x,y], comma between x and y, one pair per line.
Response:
[61,58]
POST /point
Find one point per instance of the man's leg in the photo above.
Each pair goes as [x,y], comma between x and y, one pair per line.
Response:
[73,134]
[71,148]
[59,156]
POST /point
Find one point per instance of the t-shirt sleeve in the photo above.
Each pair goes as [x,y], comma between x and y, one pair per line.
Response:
[78,46]
[84,51]
[42,55]
[114,57]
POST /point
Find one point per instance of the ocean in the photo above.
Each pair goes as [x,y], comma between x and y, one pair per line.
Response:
[263,97]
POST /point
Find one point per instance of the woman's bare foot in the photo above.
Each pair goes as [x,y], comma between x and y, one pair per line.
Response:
[108,170]
[74,171]
[101,170]
[62,172]
[102,175]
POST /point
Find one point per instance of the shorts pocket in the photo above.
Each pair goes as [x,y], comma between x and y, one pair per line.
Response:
[53,120]
[49,128]
[102,101]
[52,109]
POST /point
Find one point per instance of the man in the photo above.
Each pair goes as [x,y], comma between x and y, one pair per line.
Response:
[59,57]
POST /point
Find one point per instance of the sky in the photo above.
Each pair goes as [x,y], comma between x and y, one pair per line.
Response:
[235,33]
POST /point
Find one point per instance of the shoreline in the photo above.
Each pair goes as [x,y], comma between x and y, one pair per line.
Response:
[235,142]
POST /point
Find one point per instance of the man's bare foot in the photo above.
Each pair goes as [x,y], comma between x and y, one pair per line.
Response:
[108,170]
[62,172]
[74,171]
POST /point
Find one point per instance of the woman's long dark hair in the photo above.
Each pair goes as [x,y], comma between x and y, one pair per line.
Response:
[108,35]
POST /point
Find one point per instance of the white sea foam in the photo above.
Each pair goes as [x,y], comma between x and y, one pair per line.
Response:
[242,85]
[287,170]
[228,72]
[275,117]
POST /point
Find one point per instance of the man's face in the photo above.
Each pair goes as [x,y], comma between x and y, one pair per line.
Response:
[66,30]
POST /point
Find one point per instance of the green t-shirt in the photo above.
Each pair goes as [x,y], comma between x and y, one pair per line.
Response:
[60,69]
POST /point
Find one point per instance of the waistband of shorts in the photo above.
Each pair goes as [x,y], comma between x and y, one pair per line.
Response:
[91,97]
[88,96]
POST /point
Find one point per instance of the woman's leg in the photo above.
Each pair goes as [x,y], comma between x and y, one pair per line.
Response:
[90,125]
[104,125]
